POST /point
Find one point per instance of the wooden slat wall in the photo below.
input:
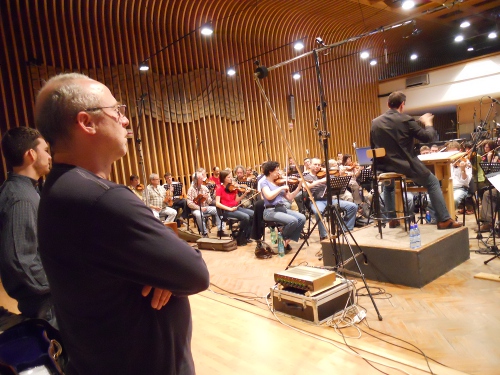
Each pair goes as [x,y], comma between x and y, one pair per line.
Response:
[101,37]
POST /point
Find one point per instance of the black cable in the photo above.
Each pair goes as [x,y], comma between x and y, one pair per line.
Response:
[381,291]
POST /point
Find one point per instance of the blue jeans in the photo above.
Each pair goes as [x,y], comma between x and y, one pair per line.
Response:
[458,195]
[245,216]
[293,222]
[431,183]
[350,217]
[211,211]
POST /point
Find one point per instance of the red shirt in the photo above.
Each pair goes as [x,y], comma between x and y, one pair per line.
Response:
[216,180]
[227,199]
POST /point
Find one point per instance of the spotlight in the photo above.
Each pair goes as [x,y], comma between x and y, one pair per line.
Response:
[207,29]
[298,45]
[296,75]
[373,62]
[231,72]
[459,38]
[320,41]
[470,49]
[408,4]
[143,67]
[413,56]
[465,24]
[492,35]
[364,54]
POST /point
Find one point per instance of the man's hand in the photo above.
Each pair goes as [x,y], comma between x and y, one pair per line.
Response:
[160,296]
[427,119]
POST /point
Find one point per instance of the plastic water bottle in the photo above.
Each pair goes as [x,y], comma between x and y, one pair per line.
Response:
[281,246]
[427,217]
[418,239]
[412,236]
[273,235]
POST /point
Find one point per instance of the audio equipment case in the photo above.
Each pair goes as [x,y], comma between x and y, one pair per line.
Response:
[315,309]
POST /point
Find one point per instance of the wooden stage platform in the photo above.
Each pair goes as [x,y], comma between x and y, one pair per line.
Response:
[391,260]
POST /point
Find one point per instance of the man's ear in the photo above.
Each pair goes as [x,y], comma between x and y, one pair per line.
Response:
[30,156]
[85,122]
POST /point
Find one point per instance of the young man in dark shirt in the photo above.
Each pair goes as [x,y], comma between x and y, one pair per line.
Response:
[27,157]
[102,248]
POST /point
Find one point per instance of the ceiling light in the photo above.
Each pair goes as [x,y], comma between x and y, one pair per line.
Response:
[364,54]
[465,24]
[143,67]
[413,56]
[296,75]
[207,29]
[459,38]
[470,49]
[298,45]
[373,62]
[231,72]
[492,35]
[408,4]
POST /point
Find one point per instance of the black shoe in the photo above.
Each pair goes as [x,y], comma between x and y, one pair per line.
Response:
[249,240]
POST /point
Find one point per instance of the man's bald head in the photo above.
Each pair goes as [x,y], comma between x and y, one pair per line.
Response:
[60,100]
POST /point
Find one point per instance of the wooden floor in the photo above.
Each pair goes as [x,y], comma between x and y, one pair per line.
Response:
[454,320]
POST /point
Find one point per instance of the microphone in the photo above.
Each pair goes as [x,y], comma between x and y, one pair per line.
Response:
[316,123]
[493,99]
[142,96]
[261,142]
[320,41]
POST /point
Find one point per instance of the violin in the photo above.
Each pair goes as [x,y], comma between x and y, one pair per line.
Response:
[233,187]
[199,200]
[169,200]
[283,181]
[331,172]
[139,187]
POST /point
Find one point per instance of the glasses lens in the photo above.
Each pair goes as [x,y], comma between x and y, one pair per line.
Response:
[122,109]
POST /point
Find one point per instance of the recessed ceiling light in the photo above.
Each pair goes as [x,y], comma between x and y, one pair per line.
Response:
[459,38]
[408,4]
[470,49]
[364,54]
[413,56]
[207,29]
[465,24]
[296,75]
[298,45]
[492,35]
[373,62]
[231,72]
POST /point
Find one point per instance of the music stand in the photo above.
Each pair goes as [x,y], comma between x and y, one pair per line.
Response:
[490,169]
[177,189]
[339,185]
[494,179]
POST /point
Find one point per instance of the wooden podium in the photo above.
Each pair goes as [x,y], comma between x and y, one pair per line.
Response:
[440,164]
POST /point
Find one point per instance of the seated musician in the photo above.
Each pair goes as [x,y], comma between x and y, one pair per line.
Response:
[215,176]
[318,189]
[490,154]
[250,174]
[348,168]
[434,149]
[177,202]
[240,180]
[277,204]
[292,167]
[334,166]
[488,206]
[155,199]
[307,165]
[340,157]
[227,199]
[425,150]
[461,172]
[135,186]
[199,200]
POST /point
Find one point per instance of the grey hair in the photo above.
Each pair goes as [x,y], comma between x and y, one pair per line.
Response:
[153,175]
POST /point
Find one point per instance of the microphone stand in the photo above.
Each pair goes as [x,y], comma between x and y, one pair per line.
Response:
[138,141]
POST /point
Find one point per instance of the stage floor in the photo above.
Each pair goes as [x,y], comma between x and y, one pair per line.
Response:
[391,260]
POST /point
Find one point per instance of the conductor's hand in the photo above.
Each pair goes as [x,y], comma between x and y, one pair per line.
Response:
[427,119]
[160,296]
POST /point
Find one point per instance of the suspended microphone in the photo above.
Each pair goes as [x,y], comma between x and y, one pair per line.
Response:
[494,100]
[261,142]
[261,72]
[316,123]
[142,96]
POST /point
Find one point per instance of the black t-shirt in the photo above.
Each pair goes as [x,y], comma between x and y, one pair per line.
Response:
[100,245]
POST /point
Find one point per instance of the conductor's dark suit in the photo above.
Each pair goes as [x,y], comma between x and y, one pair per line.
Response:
[395,132]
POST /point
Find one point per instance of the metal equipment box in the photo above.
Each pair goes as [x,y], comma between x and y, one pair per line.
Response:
[315,309]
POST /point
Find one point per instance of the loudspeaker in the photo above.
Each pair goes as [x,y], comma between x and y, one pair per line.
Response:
[291,106]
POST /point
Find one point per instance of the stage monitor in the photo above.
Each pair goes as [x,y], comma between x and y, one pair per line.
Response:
[361,156]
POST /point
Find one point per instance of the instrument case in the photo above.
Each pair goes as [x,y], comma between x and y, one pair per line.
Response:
[315,309]
[216,244]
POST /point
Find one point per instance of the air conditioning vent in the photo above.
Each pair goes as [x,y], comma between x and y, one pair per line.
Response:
[420,80]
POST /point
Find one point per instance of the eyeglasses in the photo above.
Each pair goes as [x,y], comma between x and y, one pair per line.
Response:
[121,109]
